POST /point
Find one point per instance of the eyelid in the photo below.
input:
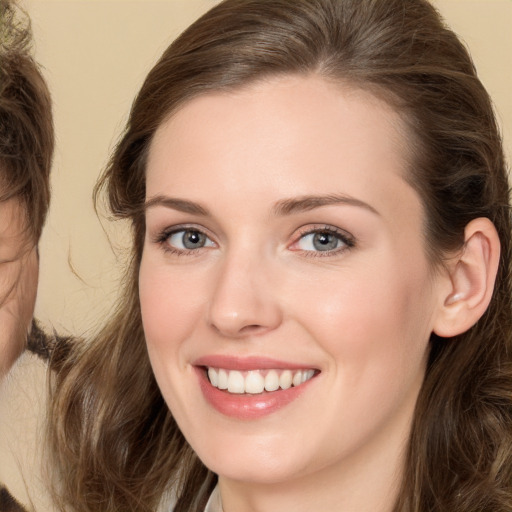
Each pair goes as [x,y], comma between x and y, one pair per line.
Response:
[348,239]
[161,237]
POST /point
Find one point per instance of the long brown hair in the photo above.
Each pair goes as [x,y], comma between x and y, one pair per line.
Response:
[26,125]
[115,444]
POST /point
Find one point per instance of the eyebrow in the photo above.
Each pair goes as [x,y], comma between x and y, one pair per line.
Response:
[310,202]
[181,205]
[281,208]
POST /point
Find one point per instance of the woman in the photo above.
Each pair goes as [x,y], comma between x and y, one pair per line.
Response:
[317,315]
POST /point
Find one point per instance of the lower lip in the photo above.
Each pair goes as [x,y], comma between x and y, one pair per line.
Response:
[247,406]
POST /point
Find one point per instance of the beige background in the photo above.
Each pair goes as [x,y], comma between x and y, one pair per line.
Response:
[96,54]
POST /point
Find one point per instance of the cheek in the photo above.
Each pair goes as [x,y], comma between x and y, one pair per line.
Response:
[373,320]
[18,288]
[374,331]
[171,305]
[171,302]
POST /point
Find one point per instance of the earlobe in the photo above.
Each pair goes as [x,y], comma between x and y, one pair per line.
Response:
[472,274]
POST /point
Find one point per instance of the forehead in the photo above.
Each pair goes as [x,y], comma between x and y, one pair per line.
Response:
[288,128]
[309,97]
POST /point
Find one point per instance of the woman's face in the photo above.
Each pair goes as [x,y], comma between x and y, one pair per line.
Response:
[18,282]
[284,251]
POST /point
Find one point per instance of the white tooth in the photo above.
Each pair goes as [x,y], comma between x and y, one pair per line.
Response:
[254,383]
[285,380]
[271,381]
[214,378]
[223,379]
[304,376]
[297,378]
[236,382]
[310,374]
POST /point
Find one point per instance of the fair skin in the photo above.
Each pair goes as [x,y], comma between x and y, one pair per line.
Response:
[281,236]
[19,270]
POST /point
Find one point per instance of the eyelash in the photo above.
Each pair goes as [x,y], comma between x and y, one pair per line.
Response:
[346,239]
[163,237]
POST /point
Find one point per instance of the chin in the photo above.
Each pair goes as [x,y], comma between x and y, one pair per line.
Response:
[253,460]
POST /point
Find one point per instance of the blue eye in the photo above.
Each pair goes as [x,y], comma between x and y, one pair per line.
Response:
[322,241]
[188,240]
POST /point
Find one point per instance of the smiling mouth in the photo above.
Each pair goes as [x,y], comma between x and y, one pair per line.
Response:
[255,382]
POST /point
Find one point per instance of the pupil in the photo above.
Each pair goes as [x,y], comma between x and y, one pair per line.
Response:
[193,239]
[324,241]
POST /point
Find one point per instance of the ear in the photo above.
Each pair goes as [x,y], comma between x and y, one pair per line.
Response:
[471,274]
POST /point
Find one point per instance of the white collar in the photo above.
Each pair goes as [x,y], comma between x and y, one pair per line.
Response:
[214,502]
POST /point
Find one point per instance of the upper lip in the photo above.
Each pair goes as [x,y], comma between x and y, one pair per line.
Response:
[248,363]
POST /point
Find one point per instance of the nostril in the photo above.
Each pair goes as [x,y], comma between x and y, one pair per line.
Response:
[252,329]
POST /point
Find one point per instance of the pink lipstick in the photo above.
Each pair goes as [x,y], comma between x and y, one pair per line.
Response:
[250,388]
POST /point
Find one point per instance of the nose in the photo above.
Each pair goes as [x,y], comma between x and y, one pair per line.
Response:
[245,299]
